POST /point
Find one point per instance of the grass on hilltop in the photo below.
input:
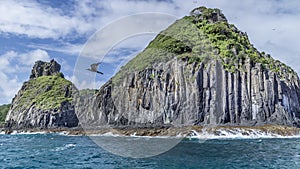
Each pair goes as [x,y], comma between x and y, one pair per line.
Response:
[197,39]
[46,92]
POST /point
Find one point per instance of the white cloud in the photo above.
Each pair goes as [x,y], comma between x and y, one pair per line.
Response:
[86,83]
[5,60]
[35,20]
[12,61]
[33,56]
[8,87]
[12,66]
[67,48]
[32,19]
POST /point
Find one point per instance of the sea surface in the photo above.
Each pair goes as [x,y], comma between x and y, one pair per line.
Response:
[62,151]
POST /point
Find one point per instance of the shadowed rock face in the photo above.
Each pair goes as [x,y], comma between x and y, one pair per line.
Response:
[44,101]
[233,87]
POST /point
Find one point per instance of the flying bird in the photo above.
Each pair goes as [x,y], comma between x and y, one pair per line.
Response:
[94,68]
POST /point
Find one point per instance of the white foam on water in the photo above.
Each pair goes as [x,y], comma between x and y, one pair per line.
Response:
[133,135]
[65,147]
[14,132]
[204,134]
[236,133]
[64,133]
[110,134]
[27,132]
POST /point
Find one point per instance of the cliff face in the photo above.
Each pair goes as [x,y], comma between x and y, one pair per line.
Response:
[179,93]
[45,101]
[199,71]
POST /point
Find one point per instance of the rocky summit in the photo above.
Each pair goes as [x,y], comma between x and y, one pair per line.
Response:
[201,70]
[45,101]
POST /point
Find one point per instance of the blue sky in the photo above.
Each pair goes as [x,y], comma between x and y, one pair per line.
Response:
[42,30]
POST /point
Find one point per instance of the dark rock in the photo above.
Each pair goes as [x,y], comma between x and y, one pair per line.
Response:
[41,68]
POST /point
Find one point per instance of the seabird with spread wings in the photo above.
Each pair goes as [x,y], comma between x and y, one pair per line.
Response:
[94,68]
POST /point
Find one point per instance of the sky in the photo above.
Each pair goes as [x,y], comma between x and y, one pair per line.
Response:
[71,31]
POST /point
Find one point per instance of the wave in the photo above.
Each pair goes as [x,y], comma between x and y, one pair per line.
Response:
[65,147]
[235,133]
[27,133]
[64,133]
[111,134]
[108,134]
[196,132]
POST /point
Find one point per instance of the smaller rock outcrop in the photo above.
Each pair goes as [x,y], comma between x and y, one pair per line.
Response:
[45,69]
[45,101]
[211,15]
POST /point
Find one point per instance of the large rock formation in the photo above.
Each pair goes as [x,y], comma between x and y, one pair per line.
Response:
[199,71]
[45,101]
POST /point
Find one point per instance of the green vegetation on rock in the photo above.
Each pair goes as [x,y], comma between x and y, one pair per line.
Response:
[46,92]
[167,45]
[233,46]
[3,112]
[204,34]
[85,92]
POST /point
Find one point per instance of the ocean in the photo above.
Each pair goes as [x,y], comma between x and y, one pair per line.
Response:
[56,150]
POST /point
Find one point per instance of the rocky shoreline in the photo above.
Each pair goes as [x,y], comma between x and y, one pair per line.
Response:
[168,131]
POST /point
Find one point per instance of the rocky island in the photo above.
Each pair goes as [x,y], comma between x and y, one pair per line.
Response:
[200,71]
[44,102]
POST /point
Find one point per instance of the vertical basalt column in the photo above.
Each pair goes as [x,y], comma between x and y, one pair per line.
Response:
[206,94]
[254,93]
[261,96]
[238,97]
[231,97]
[219,83]
[275,86]
[200,88]
[213,92]
[246,114]
[225,102]
[249,89]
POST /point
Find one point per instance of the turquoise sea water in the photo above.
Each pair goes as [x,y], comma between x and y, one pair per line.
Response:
[60,151]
